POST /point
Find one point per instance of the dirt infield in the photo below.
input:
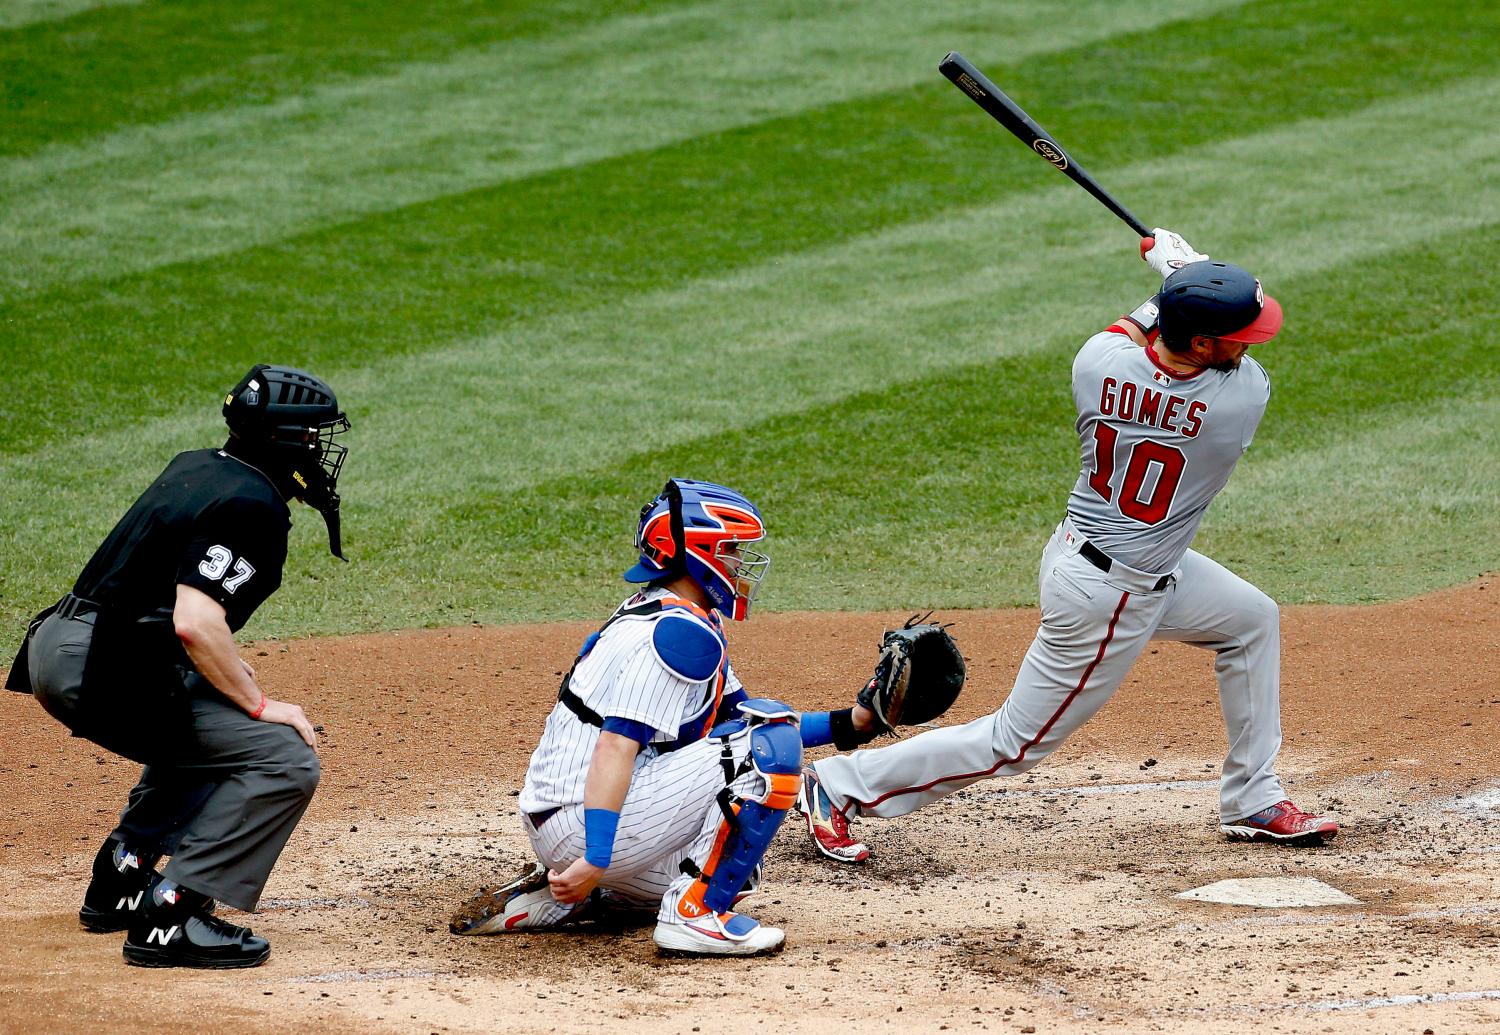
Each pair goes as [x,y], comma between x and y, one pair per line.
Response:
[1044,903]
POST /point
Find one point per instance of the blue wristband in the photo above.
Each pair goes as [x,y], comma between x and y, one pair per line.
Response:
[816,729]
[599,836]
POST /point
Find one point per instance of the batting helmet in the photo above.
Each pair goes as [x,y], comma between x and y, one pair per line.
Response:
[695,528]
[1217,300]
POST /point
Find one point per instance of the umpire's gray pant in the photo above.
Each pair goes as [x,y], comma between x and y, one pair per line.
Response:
[224,807]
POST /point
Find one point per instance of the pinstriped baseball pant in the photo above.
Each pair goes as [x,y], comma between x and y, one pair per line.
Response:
[1094,626]
[670,814]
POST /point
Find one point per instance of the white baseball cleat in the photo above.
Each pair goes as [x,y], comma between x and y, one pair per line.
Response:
[508,907]
[715,934]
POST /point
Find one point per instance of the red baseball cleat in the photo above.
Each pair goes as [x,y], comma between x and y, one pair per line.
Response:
[1283,822]
[828,826]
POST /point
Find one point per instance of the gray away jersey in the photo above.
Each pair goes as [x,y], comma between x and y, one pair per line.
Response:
[1156,447]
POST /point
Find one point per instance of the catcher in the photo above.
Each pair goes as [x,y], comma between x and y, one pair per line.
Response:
[659,782]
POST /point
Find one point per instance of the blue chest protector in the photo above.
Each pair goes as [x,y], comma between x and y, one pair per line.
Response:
[691,649]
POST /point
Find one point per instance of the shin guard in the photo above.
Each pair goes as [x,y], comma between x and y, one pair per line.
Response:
[776,756]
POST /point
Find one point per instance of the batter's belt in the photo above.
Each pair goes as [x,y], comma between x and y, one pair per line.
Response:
[1099,559]
[1069,540]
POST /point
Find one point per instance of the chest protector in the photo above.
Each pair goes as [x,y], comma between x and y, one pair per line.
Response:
[695,651]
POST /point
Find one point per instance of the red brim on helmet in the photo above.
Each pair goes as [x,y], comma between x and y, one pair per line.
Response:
[1262,328]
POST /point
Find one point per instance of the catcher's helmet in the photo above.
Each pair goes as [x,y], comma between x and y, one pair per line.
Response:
[694,528]
[293,413]
[1218,300]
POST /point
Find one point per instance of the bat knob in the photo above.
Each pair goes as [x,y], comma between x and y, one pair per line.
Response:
[1147,243]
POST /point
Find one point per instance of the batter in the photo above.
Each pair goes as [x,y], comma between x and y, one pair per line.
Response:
[1167,403]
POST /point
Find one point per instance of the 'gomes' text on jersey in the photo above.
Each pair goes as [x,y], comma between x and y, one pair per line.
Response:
[664,677]
[1156,447]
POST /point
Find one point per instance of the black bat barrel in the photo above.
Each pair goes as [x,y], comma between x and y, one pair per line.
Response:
[1009,114]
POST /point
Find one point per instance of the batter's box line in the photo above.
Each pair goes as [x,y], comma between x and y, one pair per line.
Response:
[350,976]
[1380,1002]
[1087,790]
[353,902]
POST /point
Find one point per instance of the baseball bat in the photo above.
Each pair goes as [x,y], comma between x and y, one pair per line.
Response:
[1009,114]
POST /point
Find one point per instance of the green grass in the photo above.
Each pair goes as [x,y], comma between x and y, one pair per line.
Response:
[370,136]
[16,13]
[777,250]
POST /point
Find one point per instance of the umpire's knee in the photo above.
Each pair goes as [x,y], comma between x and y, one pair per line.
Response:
[306,771]
[306,774]
[296,766]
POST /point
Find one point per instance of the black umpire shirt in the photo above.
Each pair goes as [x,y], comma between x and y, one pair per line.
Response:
[209,521]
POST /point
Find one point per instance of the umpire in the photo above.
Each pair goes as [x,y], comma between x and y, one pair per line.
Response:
[140,659]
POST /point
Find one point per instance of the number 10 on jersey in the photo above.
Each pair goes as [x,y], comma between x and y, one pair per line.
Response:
[1147,458]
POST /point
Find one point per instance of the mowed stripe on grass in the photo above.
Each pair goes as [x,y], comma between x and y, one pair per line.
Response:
[455,495]
[16,13]
[459,268]
[968,469]
[249,174]
[106,67]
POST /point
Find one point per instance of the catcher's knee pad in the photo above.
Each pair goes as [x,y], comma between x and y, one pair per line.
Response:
[776,756]
[755,711]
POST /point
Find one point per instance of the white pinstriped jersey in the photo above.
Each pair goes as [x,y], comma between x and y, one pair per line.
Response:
[621,677]
[1156,447]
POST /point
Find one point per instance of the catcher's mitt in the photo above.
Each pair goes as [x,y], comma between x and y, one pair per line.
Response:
[918,677]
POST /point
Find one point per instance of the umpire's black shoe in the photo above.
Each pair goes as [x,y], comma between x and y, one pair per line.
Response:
[121,887]
[183,934]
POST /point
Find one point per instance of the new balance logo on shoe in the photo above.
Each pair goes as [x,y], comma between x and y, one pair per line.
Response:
[161,936]
[131,902]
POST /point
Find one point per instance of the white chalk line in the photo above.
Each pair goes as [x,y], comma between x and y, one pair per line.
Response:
[1087,790]
[1380,1002]
[1483,802]
[345,976]
[272,904]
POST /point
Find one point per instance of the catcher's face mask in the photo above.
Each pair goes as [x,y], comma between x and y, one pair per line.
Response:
[698,529]
[745,569]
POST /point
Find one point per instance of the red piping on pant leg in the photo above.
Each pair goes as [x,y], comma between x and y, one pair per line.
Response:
[1082,682]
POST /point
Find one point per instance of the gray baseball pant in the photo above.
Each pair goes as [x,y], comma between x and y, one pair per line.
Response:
[1094,626]
[224,807]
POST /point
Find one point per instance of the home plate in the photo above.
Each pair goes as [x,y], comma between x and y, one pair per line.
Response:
[1270,893]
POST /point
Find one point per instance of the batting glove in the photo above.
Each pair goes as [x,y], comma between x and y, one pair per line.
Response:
[1166,252]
